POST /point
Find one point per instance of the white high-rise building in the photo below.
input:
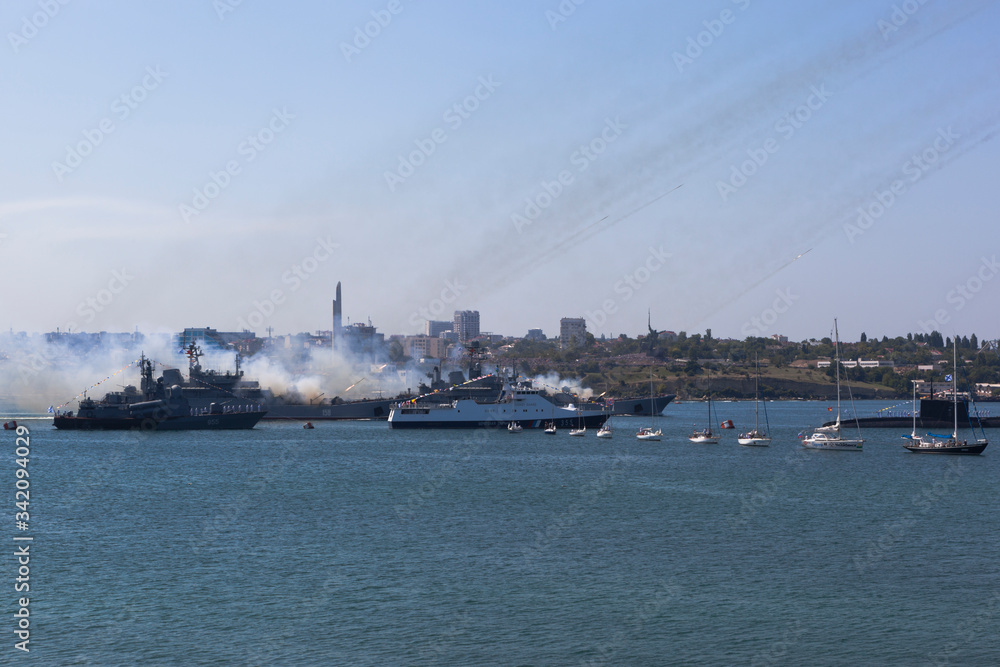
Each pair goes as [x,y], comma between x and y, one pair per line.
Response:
[572,331]
[466,325]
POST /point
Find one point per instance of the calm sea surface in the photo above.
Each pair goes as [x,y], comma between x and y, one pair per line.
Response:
[352,544]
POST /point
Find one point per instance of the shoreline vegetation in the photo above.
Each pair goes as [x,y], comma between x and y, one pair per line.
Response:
[882,369]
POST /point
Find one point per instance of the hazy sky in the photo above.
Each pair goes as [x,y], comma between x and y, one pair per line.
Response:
[201,163]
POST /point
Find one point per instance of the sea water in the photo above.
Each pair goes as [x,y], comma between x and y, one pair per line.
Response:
[354,544]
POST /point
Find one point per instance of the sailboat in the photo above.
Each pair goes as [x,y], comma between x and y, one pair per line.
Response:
[756,437]
[939,444]
[550,426]
[913,411]
[829,437]
[650,432]
[605,430]
[581,429]
[705,436]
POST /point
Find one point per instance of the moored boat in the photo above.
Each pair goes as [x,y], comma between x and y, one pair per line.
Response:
[756,437]
[705,435]
[829,437]
[938,444]
[649,433]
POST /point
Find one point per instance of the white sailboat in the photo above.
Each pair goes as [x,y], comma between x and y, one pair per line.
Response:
[756,437]
[705,436]
[931,444]
[651,432]
[550,426]
[830,437]
[581,429]
[605,430]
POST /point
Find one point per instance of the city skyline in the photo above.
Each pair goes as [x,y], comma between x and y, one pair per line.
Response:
[534,333]
[749,168]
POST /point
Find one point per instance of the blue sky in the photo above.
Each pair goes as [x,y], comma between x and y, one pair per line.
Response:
[725,140]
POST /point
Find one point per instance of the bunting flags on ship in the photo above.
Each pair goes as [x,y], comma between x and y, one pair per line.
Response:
[96,384]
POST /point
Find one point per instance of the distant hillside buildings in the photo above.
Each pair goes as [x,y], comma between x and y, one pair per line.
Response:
[572,331]
[434,328]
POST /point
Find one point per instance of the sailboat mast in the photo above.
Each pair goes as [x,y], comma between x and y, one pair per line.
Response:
[954,387]
[756,394]
[710,399]
[836,350]
[652,409]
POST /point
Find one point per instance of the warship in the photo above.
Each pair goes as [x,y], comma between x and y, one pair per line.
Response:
[204,387]
[517,407]
[157,406]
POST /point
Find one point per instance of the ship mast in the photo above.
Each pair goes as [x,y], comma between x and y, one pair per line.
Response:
[193,354]
[954,390]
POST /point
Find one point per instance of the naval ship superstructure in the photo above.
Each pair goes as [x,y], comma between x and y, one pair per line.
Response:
[159,405]
[204,387]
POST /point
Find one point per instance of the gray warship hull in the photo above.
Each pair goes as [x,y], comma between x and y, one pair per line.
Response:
[234,421]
